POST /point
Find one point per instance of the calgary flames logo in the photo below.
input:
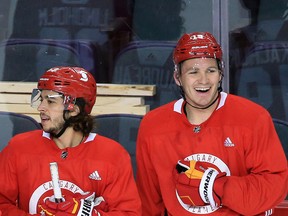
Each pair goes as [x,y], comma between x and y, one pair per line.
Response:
[217,164]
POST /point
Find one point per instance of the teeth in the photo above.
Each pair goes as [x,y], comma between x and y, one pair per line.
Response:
[202,89]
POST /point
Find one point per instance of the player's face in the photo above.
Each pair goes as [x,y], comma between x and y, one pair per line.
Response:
[51,111]
[200,79]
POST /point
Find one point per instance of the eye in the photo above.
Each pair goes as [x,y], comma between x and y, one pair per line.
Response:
[50,101]
[192,71]
[212,70]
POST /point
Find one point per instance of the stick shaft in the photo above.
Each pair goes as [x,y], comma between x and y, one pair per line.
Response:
[55,181]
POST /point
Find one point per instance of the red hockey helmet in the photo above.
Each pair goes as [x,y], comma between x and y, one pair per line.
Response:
[72,82]
[197,45]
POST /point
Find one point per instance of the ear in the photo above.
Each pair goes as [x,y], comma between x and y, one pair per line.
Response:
[75,111]
[176,76]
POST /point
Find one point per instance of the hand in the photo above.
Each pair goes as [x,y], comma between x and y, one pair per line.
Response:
[198,184]
[79,204]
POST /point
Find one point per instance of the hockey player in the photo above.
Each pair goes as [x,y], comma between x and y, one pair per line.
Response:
[209,153]
[95,173]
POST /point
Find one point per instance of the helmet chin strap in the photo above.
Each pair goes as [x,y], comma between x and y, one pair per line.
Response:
[65,126]
[183,96]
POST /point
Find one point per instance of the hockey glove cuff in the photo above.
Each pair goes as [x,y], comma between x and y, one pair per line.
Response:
[198,184]
[80,204]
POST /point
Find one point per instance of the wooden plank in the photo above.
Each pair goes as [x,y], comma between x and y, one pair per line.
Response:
[138,110]
[100,100]
[102,88]
[15,98]
[123,89]
[118,101]
[17,87]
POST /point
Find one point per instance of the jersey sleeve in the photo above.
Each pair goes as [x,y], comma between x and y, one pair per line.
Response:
[265,183]
[121,193]
[147,182]
[8,184]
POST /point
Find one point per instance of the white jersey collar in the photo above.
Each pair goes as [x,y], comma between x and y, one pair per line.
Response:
[89,138]
[179,103]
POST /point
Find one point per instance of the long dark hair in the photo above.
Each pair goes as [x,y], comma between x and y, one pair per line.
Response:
[83,121]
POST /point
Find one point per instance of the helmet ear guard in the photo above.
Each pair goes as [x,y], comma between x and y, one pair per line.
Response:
[69,102]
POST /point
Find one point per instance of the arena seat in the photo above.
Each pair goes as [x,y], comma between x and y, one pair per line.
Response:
[15,123]
[101,23]
[262,77]
[120,127]
[34,56]
[148,62]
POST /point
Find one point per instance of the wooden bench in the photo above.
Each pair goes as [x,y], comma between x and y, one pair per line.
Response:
[111,98]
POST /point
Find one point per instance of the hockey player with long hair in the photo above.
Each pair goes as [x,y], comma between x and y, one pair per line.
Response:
[65,169]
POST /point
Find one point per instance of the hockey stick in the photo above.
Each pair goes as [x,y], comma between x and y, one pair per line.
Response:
[55,181]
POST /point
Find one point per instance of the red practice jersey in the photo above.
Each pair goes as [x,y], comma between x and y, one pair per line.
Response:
[98,165]
[239,138]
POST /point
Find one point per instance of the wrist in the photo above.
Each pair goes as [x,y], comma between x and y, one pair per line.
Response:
[219,185]
[206,185]
[212,186]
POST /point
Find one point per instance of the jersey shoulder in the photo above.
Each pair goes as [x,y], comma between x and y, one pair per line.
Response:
[164,118]
[243,106]
[26,138]
[239,111]
[106,146]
